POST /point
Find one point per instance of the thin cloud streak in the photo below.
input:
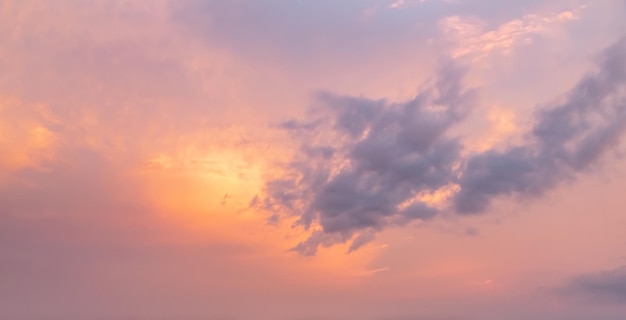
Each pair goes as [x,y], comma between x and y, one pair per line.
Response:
[474,42]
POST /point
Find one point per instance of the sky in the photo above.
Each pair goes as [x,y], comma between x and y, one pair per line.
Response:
[312,160]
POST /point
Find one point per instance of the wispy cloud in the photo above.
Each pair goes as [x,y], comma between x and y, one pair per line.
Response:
[472,38]
[398,4]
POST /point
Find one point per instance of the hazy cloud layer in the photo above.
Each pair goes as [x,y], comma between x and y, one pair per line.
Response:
[608,286]
[368,164]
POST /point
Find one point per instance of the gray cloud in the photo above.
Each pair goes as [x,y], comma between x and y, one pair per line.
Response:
[378,156]
[391,153]
[608,286]
[566,138]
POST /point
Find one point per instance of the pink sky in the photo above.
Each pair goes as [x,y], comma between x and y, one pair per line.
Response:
[305,160]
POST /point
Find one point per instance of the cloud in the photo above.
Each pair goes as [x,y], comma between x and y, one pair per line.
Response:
[386,154]
[566,138]
[473,41]
[608,286]
[382,159]
[399,4]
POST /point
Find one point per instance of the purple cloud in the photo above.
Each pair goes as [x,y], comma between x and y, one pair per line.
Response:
[379,156]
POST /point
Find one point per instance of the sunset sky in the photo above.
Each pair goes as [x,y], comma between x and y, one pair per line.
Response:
[313,159]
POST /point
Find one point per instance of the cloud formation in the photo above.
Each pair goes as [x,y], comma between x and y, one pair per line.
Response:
[477,43]
[385,154]
[365,165]
[608,286]
[566,138]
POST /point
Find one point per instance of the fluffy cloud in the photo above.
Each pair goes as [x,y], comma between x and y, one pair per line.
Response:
[368,164]
[364,161]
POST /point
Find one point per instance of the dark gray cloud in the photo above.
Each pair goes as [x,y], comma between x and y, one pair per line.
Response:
[566,139]
[363,162]
[608,286]
[366,160]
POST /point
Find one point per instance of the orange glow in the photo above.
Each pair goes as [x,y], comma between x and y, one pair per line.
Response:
[503,127]
[24,142]
[208,195]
